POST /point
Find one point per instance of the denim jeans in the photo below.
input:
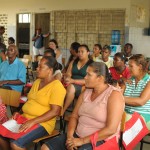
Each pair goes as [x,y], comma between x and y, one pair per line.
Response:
[58,143]
[30,136]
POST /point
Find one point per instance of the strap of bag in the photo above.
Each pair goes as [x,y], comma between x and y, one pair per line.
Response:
[93,139]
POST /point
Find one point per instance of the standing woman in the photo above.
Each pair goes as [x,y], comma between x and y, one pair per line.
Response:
[75,75]
[136,93]
[54,45]
[120,71]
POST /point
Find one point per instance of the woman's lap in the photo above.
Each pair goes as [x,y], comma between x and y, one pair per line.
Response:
[58,142]
[29,137]
[78,89]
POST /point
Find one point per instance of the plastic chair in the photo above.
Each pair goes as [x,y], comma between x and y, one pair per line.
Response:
[29,73]
[122,128]
[39,58]
[29,57]
[145,141]
[10,97]
[29,68]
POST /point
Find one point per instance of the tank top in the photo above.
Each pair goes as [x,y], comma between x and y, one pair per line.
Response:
[79,73]
[93,114]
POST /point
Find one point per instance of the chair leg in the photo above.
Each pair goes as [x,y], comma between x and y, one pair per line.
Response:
[61,124]
[35,146]
[64,127]
[141,146]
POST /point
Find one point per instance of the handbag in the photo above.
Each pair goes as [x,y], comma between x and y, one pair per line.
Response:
[135,130]
[110,144]
[6,130]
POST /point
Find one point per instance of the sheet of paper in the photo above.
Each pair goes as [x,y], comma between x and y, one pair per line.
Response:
[130,134]
[24,98]
[12,125]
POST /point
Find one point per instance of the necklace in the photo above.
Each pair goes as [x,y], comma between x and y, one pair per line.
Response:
[79,67]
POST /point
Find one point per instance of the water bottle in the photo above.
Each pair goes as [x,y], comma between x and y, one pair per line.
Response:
[115,37]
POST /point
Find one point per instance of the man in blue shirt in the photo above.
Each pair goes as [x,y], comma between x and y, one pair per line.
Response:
[38,47]
[12,71]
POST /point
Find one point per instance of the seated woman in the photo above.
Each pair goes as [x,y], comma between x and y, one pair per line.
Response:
[11,40]
[96,110]
[74,54]
[120,71]
[96,56]
[57,74]
[106,52]
[42,107]
[136,93]
[54,45]
[75,75]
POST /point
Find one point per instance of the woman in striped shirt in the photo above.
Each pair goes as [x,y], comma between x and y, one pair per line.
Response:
[136,93]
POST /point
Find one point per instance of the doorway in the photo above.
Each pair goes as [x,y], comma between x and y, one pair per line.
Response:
[23,33]
[42,20]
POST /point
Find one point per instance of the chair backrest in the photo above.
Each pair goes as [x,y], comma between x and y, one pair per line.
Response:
[122,128]
[39,58]
[10,97]
[25,61]
[28,57]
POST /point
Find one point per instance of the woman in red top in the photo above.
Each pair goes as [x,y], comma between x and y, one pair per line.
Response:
[120,71]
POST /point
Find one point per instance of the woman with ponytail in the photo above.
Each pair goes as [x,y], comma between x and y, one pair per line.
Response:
[57,74]
[99,109]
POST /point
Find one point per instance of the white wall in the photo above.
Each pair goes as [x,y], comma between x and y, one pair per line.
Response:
[136,36]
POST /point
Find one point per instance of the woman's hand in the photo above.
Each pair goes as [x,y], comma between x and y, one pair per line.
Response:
[73,143]
[129,81]
[28,124]
[3,82]
[68,80]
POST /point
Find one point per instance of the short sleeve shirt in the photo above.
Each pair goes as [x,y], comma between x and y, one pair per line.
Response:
[14,71]
[39,101]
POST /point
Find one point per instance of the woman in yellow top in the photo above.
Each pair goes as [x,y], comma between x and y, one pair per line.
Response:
[42,107]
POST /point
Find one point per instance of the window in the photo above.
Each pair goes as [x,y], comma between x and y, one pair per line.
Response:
[24,18]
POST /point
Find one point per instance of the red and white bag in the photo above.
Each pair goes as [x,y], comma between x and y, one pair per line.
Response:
[111,144]
[135,130]
[10,128]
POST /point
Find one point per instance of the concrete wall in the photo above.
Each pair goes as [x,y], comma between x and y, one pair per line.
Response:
[138,24]
[35,6]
